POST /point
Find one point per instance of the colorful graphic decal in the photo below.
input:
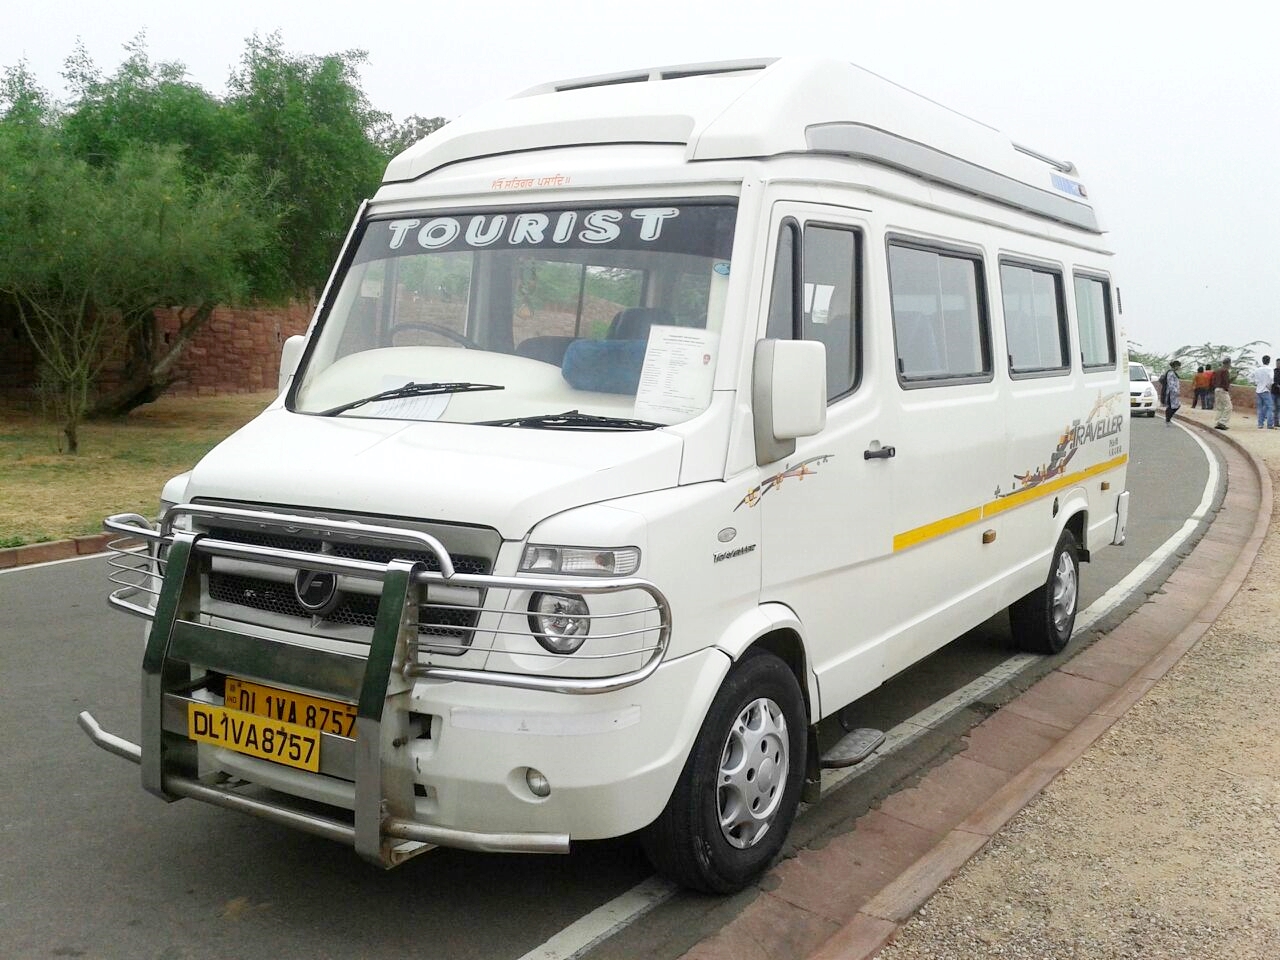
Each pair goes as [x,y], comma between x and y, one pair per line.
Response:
[1098,425]
[804,468]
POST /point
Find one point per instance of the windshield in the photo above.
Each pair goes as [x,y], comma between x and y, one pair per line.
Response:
[1138,372]
[506,316]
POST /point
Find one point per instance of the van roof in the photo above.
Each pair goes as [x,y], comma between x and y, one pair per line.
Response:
[748,109]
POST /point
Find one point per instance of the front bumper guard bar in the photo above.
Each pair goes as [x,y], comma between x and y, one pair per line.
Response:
[324,826]
[181,652]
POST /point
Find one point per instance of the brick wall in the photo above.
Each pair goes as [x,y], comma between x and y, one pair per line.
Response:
[237,351]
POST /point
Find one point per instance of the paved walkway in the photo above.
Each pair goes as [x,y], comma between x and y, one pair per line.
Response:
[846,900]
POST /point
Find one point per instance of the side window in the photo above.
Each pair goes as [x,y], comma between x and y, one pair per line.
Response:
[1035,321]
[825,305]
[940,323]
[830,300]
[1093,314]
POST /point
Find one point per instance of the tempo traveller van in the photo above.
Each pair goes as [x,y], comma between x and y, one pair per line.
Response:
[646,421]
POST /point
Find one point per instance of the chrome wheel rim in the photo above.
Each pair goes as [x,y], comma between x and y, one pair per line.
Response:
[753,773]
[1065,589]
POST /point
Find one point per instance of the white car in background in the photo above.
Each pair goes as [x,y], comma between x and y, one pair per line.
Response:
[1143,399]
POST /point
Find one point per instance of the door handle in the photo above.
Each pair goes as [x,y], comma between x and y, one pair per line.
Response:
[880,453]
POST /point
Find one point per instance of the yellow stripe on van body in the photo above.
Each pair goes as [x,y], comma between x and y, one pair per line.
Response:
[940,528]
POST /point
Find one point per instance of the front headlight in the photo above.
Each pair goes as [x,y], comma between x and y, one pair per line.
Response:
[559,621]
[580,561]
[1149,393]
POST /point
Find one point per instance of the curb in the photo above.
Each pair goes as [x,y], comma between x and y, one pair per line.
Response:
[878,921]
[12,557]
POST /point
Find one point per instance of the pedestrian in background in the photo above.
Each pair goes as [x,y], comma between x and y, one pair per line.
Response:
[1222,395]
[1202,388]
[1262,378]
[1172,391]
[1275,391]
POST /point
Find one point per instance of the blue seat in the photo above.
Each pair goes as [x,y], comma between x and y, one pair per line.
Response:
[604,366]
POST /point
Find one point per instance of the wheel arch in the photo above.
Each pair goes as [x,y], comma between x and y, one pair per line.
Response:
[775,628]
[1075,510]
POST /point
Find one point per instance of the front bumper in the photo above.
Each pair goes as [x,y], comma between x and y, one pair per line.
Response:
[441,755]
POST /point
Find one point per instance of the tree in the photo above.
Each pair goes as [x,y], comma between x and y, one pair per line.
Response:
[1243,358]
[87,255]
[310,125]
[23,102]
[394,138]
[145,103]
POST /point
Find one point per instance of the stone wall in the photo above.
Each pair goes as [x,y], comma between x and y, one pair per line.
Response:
[237,351]
[1243,396]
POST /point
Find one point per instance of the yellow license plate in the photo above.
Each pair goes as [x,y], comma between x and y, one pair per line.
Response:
[287,743]
[327,716]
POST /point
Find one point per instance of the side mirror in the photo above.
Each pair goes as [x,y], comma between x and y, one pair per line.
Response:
[788,395]
[290,354]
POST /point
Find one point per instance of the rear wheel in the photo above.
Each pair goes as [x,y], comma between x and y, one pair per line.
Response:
[1043,619]
[731,809]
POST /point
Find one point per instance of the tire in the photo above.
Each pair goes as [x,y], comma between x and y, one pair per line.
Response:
[1042,620]
[758,713]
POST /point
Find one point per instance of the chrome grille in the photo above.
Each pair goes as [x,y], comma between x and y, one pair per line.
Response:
[450,623]
[372,552]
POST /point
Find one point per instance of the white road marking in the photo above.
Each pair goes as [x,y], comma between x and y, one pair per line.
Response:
[607,919]
[604,921]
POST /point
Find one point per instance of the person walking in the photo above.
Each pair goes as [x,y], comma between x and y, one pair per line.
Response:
[1172,391]
[1262,378]
[1222,395]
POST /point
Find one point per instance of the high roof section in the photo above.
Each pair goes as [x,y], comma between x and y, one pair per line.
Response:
[765,108]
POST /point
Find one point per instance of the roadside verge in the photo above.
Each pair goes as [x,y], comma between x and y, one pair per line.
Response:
[33,553]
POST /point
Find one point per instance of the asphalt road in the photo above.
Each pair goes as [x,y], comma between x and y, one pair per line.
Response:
[94,867]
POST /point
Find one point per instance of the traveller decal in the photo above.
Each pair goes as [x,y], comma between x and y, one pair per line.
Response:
[1100,423]
[801,470]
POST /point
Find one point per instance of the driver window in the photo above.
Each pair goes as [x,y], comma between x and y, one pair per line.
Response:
[825,304]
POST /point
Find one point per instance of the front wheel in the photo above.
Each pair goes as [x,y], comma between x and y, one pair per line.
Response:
[731,809]
[1042,620]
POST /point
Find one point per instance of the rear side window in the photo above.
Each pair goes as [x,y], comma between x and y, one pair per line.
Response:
[1035,320]
[940,322]
[1093,314]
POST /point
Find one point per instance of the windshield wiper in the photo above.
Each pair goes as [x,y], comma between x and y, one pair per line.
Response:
[410,389]
[573,420]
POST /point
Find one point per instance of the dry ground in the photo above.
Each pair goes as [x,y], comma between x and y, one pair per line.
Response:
[1162,840]
[49,495]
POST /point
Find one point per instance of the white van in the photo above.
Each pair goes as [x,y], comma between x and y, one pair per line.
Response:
[646,420]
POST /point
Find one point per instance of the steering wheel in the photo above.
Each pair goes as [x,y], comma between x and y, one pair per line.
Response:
[445,332]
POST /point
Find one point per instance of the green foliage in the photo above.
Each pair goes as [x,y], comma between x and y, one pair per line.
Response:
[1243,358]
[144,103]
[393,138]
[1154,362]
[86,254]
[308,122]
[145,190]
[23,102]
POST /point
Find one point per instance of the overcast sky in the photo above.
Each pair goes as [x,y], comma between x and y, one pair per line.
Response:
[1171,111]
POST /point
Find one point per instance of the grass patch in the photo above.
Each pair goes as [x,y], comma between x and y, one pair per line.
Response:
[49,495]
